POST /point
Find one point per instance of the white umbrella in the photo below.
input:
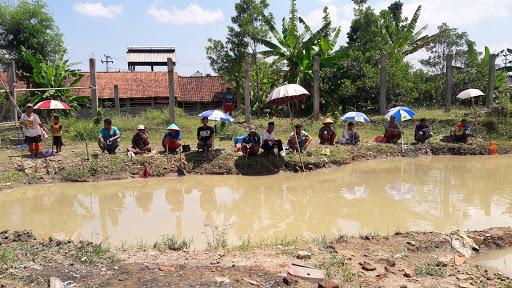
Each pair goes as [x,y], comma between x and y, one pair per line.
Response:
[286,94]
[470,93]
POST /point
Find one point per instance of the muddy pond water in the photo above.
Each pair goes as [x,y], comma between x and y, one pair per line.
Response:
[382,196]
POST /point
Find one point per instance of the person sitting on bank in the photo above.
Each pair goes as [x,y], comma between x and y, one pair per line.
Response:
[327,135]
[108,139]
[140,141]
[299,139]
[205,135]
[350,135]
[392,132]
[462,132]
[32,130]
[422,132]
[251,143]
[172,139]
[270,143]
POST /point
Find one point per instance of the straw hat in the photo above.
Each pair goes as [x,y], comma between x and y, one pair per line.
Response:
[328,121]
[141,127]
[173,127]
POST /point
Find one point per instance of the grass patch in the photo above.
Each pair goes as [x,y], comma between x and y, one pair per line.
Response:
[172,243]
[216,237]
[336,268]
[94,254]
[10,176]
[431,270]
[141,245]
[6,260]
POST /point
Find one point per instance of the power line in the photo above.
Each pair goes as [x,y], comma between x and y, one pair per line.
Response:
[107,61]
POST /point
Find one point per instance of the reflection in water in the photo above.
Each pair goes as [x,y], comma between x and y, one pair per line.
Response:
[500,260]
[439,193]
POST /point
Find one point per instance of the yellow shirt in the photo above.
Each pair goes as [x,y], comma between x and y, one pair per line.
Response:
[56,130]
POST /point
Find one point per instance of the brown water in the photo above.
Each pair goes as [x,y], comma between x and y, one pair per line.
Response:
[500,260]
[438,193]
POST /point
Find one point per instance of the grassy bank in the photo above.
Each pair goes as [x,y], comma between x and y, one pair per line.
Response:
[72,165]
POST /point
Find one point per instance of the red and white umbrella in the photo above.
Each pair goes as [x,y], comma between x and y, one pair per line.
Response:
[52,105]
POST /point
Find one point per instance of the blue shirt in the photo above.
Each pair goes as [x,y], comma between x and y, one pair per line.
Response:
[106,135]
[175,136]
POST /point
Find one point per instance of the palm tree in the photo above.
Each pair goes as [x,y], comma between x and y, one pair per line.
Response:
[296,48]
[400,33]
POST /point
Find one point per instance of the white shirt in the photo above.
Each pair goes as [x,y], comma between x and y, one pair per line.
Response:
[31,124]
[266,136]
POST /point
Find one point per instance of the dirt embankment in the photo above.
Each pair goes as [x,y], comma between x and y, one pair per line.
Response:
[413,259]
[73,167]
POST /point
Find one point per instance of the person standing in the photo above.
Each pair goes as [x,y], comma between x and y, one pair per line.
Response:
[269,142]
[205,136]
[32,130]
[108,140]
[229,101]
[56,130]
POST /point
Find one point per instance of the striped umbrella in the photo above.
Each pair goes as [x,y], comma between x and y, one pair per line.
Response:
[355,116]
[400,113]
[52,105]
[216,115]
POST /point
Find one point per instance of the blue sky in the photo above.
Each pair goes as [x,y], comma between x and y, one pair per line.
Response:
[101,27]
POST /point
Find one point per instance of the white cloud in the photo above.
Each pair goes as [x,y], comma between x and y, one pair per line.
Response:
[341,15]
[457,13]
[98,9]
[192,14]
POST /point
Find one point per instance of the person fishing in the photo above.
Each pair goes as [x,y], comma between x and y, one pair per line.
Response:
[392,132]
[108,140]
[172,139]
[205,134]
[251,143]
[140,141]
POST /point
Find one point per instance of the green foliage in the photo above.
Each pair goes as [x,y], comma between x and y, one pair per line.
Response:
[93,254]
[171,243]
[431,270]
[28,24]
[10,176]
[6,260]
[216,237]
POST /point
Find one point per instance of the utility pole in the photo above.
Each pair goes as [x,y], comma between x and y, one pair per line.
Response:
[94,95]
[316,87]
[11,77]
[491,80]
[383,84]
[172,97]
[247,90]
[107,61]
[448,83]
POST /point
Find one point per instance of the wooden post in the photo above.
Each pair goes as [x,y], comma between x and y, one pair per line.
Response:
[170,76]
[448,83]
[117,104]
[383,85]
[94,95]
[491,81]
[247,90]
[11,79]
[316,87]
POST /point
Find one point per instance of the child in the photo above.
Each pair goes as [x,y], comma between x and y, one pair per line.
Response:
[57,134]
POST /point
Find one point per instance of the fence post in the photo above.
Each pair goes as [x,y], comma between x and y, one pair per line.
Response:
[117,104]
[491,81]
[247,90]
[448,83]
[172,97]
[11,79]
[94,90]
[316,87]
[383,86]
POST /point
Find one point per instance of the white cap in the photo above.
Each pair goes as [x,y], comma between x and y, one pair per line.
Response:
[141,127]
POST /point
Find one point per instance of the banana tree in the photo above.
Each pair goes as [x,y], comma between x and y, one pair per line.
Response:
[400,33]
[297,49]
[53,74]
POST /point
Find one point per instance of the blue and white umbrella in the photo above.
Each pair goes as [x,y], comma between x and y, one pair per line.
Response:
[216,115]
[400,113]
[355,116]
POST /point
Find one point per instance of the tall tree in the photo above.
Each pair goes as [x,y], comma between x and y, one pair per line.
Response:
[28,24]
[226,57]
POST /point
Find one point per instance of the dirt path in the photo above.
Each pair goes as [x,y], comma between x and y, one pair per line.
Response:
[415,259]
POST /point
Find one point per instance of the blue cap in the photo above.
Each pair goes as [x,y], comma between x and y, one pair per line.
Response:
[173,127]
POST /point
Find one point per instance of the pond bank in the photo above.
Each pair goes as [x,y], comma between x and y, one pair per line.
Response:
[72,166]
[411,259]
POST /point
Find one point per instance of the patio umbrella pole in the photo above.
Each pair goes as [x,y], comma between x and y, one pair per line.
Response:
[296,139]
